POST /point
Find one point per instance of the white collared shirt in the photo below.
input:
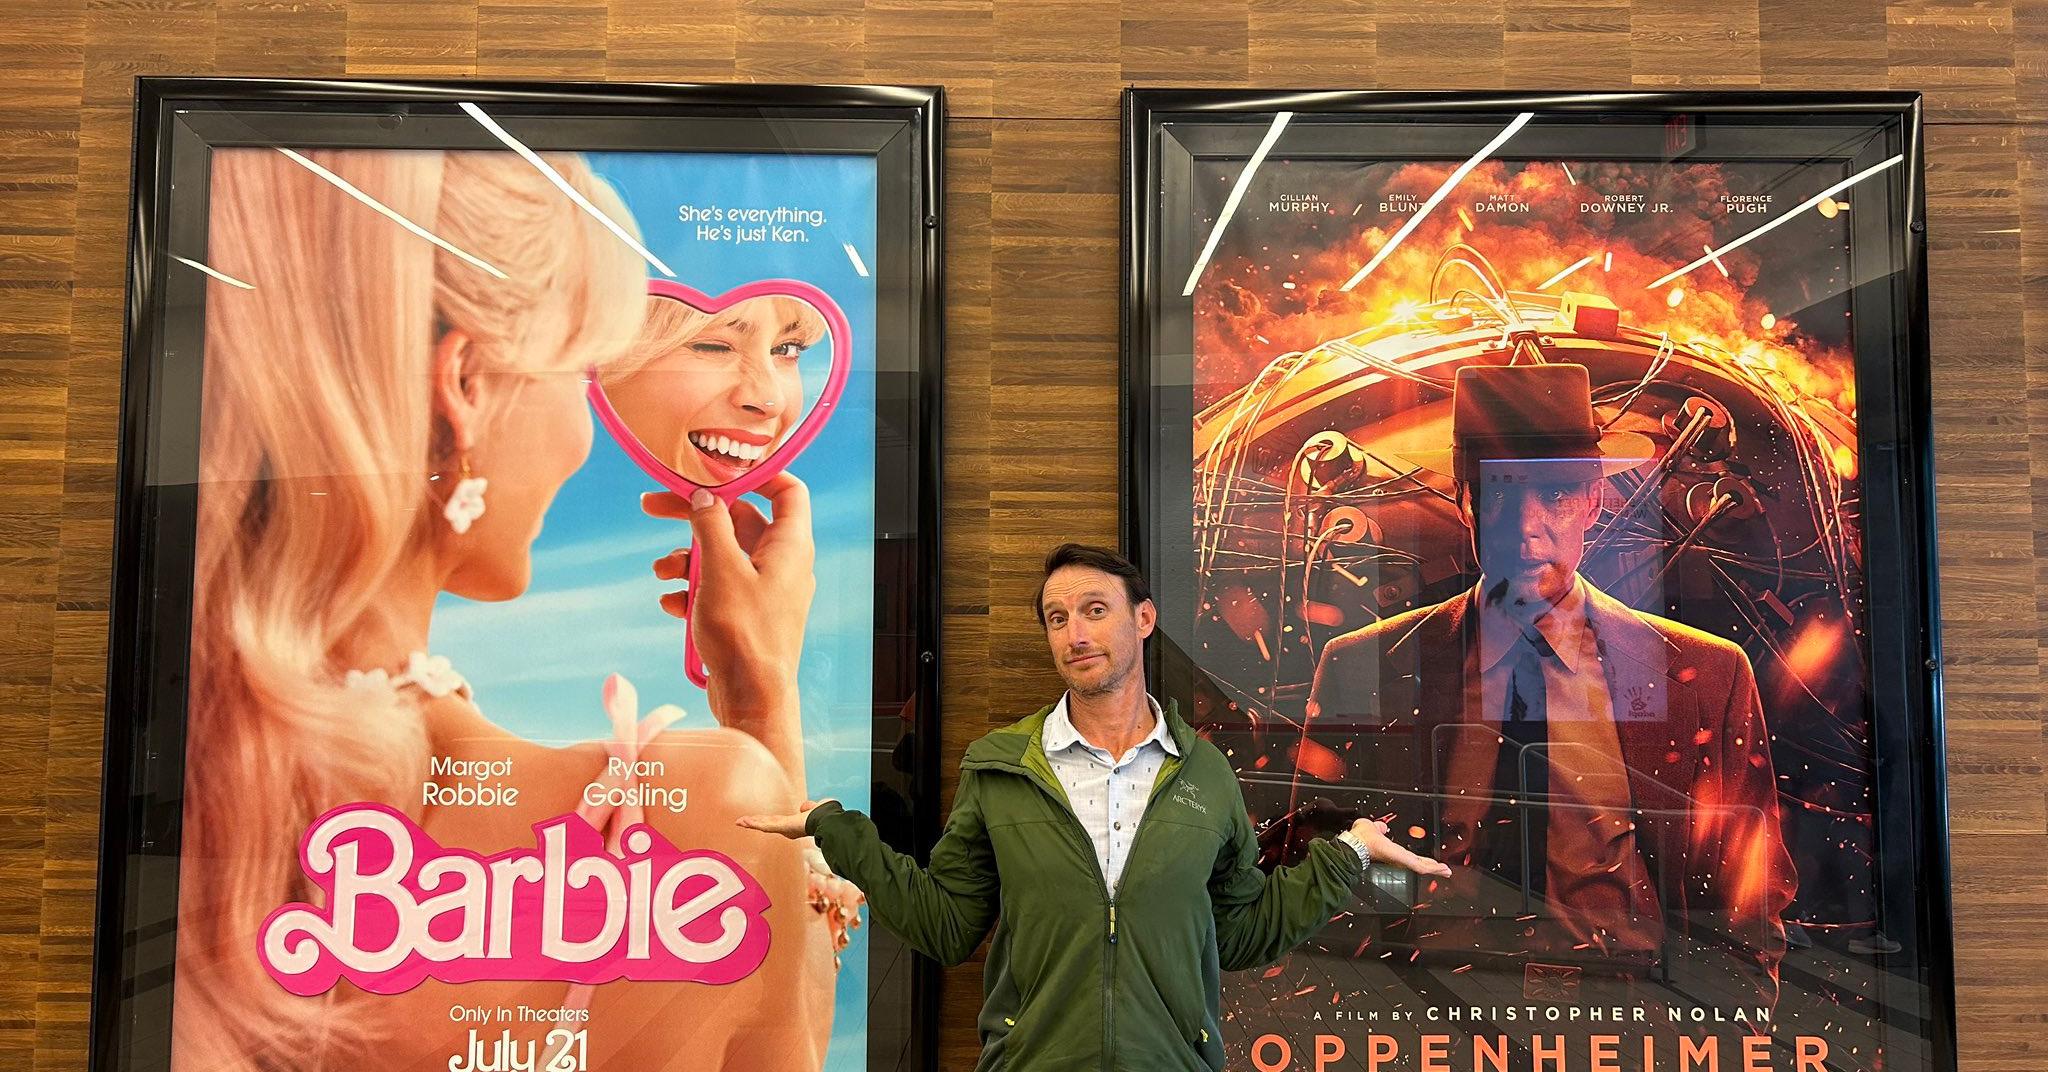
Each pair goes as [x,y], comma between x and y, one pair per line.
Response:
[1589,810]
[1108,794]
[1563,627]
[1583,747]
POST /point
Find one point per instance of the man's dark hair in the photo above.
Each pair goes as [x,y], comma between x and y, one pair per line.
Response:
[1095,558]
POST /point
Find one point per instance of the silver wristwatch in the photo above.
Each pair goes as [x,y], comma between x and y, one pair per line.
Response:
[1358,846]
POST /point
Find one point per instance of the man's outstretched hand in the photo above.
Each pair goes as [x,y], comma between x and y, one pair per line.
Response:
[1371,831]
[1383,848]
[789,826]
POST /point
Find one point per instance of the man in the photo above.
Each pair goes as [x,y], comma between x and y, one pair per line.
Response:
[1598,774]
[1112,844]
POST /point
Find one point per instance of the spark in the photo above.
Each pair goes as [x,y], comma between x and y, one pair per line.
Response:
[1827,194]
[562,184]
[1244,181]
[222,276]
[389,213]
[1559,277]
[1436,198]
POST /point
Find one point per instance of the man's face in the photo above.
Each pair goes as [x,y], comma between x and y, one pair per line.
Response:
[1529,534]
[1096,635]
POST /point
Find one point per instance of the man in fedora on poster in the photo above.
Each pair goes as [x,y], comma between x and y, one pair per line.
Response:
[1599,778]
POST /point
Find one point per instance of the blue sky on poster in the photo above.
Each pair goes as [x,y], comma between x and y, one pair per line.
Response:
[537,662]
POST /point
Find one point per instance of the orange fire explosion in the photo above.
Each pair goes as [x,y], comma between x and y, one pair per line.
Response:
[1253,307]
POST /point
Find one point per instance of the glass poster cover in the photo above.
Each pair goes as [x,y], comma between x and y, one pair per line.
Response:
[519,484]
[1548,477]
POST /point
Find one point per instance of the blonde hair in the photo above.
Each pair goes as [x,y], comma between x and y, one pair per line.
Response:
[318,433]
[671,324]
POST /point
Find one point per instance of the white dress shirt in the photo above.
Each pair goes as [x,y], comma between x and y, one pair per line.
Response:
[1594,862]
[1108,794]
[1583,747]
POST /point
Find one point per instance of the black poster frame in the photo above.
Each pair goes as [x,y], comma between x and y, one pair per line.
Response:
[178,120]
[1165,129]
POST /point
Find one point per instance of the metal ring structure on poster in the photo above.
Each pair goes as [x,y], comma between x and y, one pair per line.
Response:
[706,263]
[1363,333]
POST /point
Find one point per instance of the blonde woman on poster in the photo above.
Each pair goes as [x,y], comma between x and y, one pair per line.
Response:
[710,395]
[385,421]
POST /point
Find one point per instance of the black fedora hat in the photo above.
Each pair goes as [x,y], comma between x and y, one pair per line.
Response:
[1530,422]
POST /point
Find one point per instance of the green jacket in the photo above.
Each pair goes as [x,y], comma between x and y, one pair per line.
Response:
[1078,978]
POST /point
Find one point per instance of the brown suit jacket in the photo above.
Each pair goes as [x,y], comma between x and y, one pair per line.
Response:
[1691,732]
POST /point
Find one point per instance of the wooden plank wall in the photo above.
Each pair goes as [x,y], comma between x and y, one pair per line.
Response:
[1031,366]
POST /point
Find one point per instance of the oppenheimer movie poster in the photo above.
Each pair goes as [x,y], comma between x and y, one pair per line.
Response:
[1527,520]
[454,799]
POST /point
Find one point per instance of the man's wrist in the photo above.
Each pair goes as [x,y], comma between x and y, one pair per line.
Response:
[825,809]
[1358,846]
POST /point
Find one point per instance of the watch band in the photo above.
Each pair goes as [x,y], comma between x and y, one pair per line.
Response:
[1358,846]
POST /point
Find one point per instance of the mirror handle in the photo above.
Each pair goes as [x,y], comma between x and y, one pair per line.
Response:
[692,665]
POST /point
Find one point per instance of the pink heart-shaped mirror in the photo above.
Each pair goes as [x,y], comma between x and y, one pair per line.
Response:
[721,393]
[711,393]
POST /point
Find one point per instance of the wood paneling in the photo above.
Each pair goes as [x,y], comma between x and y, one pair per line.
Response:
[1030,394]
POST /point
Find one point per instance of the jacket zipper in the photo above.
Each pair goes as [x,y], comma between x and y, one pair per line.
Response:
[1109,957]
[1102,880]
[1102,883]
[1109,983]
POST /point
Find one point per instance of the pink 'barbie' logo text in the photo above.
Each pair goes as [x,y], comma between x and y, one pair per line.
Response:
[402,909]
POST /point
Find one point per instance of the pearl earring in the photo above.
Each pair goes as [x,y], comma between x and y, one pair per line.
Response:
[466,503]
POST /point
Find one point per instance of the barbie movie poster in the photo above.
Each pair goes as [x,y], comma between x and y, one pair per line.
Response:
[477,690]
[1527,518]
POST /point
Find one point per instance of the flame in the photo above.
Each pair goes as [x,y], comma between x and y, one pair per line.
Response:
[1814,651]
[1243,612]
[1318,760]
[1243,318]
[1752,864]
